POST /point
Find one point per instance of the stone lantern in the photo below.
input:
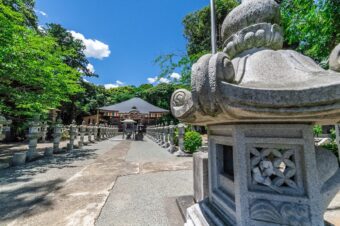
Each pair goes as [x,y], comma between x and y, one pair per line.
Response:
[129,129]
[34,133]
[57,133]
[260,103]
[4,126]
[73,132]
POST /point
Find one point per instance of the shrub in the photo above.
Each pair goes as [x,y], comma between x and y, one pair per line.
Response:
[332,146]
[317,130]
[192,141]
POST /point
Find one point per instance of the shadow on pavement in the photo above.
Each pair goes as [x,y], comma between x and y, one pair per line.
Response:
[17,201]
[58,161]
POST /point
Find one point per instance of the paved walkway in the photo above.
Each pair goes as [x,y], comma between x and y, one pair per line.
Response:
[72,188]
[114,182]
[149,198]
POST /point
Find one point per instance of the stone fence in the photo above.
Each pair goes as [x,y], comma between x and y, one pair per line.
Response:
[38,130]
[165,137]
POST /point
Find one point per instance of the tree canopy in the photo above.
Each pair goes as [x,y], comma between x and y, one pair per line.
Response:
[310,27]
[33,75]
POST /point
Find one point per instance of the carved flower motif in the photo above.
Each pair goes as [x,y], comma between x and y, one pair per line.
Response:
[273,167]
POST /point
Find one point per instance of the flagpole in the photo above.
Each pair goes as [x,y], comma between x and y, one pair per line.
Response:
[213,27]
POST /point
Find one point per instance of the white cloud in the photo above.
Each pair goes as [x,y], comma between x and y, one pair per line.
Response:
[90,68]
[152,80]
[111,86]
[94,48]
[41,12]
[164,80]
[175,75]
[119,83]
[114,85]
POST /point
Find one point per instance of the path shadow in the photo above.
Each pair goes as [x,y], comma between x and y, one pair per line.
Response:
[58,161]
[17,201]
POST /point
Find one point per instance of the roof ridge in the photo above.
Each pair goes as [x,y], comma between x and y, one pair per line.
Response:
[126,106]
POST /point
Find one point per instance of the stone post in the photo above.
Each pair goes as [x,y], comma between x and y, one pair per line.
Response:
[200,168]
[3,123]
[103,132]
[181,132]
[82,130]
[97,133]
[34,134]
[89,133]
[337,137]
[166,137]
[73,132]
[161,135]
[171,138]
[44,128]
[58,130]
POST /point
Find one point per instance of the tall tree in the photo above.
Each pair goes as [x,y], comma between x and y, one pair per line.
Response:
[311,27]
[73,49]
[33,75]
[26,9]
[197,31]
[197,27]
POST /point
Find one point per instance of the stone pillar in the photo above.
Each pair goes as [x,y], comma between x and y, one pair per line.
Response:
[200,168]
[82,130]
[57,135]
[34,134]
[157,134]
[166,137]
[337,137]
[172,138]
[73,132]
[89,133]
[97,133]
[161,135]
[44,128]
[3,125]
[181,132]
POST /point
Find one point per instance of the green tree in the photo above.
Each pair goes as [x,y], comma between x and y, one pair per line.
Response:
[197,28]
[33,75]
[73,49]
[26,10]
[311,27]
[197,31]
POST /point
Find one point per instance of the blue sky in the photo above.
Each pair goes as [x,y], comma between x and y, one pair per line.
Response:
[122,37]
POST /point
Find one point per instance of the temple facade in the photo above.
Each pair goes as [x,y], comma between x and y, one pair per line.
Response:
[136,109]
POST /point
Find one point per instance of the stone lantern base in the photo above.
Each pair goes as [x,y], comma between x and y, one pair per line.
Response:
[266,174]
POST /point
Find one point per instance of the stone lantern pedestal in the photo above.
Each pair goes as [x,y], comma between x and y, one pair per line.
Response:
[260,103]
[266,174]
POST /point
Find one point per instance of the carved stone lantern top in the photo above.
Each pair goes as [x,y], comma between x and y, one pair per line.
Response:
[254,80]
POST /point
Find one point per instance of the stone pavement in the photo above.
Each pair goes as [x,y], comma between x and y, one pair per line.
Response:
[149,198]
[72,188]
[113,182]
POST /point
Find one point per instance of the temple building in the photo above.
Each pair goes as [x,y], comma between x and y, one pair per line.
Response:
[136,109]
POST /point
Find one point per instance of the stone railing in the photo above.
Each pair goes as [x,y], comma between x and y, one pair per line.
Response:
[165,137]
[38,131]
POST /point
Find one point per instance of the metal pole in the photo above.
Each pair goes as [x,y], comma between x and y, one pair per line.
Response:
[213,27]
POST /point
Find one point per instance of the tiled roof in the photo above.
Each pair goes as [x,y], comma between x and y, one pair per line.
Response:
[133,104]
